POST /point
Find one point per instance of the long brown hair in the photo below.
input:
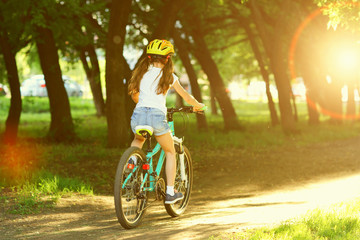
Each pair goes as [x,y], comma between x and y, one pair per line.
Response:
[166,79]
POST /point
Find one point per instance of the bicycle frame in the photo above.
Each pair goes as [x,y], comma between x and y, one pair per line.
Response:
[149,160]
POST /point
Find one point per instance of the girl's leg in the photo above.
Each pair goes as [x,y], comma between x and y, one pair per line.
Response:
[167,144]
[138,141]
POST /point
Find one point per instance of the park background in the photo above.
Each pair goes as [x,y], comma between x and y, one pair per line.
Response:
[273,73]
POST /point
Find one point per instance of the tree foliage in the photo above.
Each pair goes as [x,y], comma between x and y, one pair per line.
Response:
[343,14]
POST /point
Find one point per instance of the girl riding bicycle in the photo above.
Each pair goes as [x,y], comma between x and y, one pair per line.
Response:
[148,87]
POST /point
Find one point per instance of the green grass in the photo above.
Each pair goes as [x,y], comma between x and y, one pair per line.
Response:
[41,105]
[42,191]
[339,222]
[49,184]
[260,135]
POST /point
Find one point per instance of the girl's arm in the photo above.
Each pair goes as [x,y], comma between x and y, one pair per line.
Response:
[186,96]
[135,97]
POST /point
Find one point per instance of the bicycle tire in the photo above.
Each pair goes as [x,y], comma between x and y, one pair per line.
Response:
[179,207]
[130,209]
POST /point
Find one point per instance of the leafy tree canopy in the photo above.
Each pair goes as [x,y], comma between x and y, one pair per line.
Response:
[345,14]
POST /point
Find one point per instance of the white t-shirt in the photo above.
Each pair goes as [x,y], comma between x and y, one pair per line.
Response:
[148,86]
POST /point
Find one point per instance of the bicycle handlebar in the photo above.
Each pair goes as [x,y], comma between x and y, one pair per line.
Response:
[185,109]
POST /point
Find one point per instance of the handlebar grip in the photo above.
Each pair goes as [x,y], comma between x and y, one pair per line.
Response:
[204,108]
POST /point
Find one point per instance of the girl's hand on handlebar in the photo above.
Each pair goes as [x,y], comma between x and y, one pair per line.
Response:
[200,108]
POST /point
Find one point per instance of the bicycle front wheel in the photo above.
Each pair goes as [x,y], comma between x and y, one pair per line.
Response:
[130,202]
[183,186]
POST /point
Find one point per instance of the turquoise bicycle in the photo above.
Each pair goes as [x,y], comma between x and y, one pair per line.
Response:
[134,183]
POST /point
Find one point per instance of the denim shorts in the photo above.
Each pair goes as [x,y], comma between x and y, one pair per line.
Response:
[150,116]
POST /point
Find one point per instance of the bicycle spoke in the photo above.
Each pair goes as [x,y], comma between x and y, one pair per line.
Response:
[128,202]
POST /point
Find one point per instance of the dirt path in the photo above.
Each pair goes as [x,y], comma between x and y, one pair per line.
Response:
[244,191]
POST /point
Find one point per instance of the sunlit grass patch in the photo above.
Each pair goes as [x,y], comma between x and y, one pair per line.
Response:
[340,221]
[49,184]
[41,192]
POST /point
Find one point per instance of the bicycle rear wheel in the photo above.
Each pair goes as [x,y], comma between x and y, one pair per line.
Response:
[184,187]
[129,202]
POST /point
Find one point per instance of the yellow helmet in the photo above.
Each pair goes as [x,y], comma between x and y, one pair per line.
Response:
[160,47]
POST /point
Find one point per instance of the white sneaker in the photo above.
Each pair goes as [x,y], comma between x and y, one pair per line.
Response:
[173,199]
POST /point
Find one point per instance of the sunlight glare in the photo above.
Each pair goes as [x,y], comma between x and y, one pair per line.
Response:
[235,90]
[347,59]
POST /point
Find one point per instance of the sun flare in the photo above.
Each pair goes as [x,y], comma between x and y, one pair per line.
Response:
[348,59]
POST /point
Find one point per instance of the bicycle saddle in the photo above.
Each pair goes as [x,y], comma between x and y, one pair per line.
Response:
[143,130]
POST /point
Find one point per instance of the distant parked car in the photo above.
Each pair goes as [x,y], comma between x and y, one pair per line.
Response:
[73,89]
[3,90]
[36,86]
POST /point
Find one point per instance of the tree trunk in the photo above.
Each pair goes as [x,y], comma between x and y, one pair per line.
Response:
[13,119]
[350,105]
[334,102]
[293,100]
[168,17]
[209,66]
[117,123]
[61,126]
[195,88]
[284,90]
[214,109]
[274,47]
[313,77]
[93,76]
[310,79]
[264,74]
[166,23]
[312,111]
[203,55]
[358,105]
[178,100]
[130,104]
